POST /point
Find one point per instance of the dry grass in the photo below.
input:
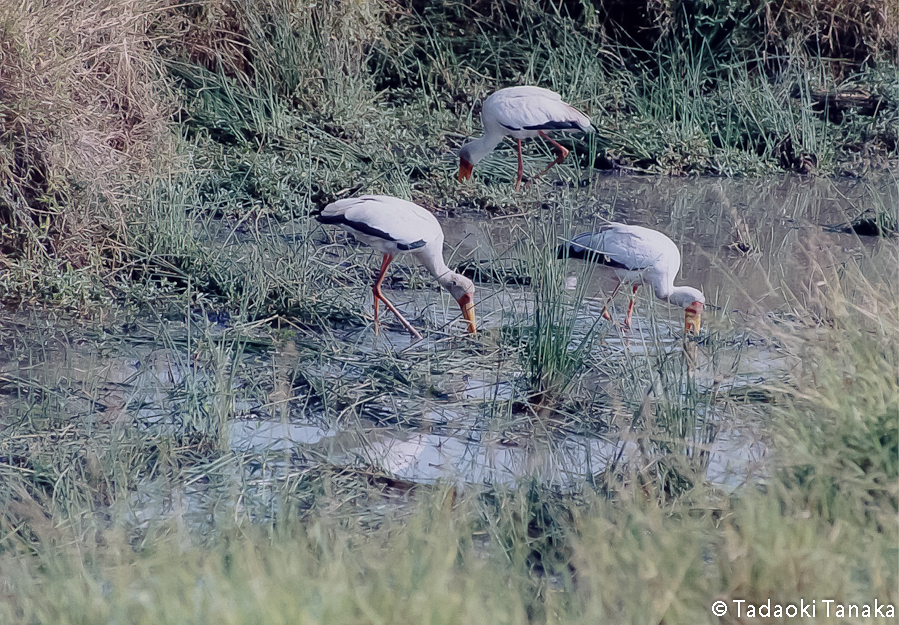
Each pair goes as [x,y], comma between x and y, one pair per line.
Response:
[857,31]
[84,108]
[849,32]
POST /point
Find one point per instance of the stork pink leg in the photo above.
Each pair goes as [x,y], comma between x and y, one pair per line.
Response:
[520,167]
[605,309]
[630,308]
[376,291]
[562,151]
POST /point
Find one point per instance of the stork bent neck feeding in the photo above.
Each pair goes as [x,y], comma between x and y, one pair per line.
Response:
[638,255]
[522,113]
[394,226]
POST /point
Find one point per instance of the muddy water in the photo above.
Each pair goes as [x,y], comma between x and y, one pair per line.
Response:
[752,246]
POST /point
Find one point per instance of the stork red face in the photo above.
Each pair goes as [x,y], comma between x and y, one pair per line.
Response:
[467,306]
[693,318]
[464,169]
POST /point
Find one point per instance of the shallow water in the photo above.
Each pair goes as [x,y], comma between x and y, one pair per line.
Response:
[456,409]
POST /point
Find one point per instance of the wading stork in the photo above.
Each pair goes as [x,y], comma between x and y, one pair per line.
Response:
[637,255]
[521,113]
[394,226]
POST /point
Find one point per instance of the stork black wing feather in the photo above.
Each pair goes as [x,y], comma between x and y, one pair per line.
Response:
[582,253]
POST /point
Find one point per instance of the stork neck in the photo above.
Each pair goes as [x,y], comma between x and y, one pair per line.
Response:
[664,290]
[447,278]
[479,148]
[431,256]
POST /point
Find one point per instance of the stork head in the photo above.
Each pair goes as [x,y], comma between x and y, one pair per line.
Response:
[691,300]
[462,289]
[466,162]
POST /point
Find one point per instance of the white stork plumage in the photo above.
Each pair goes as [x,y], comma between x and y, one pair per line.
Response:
[521,113]
[638,255]
[394,226]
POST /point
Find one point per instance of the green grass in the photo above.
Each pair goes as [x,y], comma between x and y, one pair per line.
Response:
[555,336]
[279,110]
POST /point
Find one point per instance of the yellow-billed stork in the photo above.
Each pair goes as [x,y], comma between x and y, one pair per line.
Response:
[521,113]
[394,226]
[638,255]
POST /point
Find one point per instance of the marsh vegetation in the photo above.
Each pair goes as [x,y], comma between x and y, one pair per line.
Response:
[197,423]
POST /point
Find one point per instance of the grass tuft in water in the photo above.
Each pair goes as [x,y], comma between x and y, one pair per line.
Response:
[555,336]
